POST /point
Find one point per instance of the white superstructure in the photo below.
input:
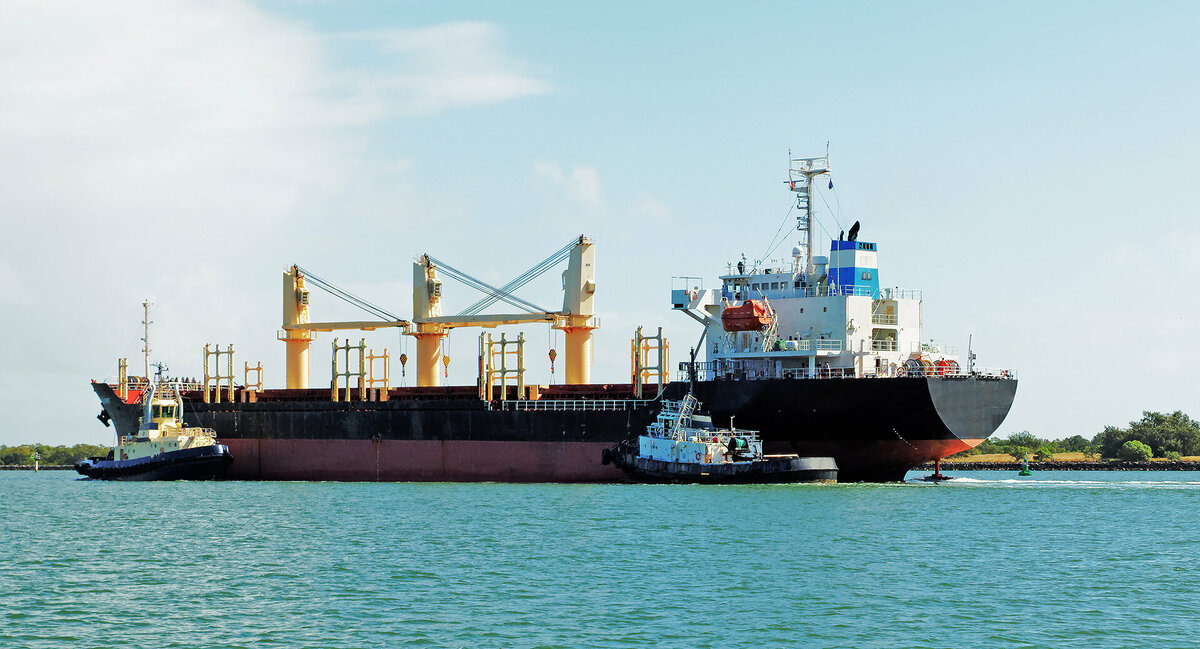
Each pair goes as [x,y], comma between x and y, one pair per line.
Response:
[161,429]
[679,435]
[820,316]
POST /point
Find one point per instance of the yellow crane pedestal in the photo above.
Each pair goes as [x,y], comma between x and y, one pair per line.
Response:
[577,345]
[297,359]
[429,357]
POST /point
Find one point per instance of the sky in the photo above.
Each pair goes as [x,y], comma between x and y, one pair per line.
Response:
[1028,166]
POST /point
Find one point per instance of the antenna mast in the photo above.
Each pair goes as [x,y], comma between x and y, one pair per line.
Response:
[801,173]
[146,322]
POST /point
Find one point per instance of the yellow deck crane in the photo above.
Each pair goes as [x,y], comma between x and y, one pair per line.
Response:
[430,327]
[297,331]
[577,317]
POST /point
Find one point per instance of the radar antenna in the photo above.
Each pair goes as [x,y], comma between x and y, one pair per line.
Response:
[146,322]
[801,172]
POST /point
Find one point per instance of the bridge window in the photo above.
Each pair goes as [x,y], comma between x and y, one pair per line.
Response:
[866,274]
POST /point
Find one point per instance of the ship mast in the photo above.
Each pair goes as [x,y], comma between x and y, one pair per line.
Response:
[801,173]
[146,322]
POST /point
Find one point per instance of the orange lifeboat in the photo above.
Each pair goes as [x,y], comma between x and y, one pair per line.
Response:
[752,315]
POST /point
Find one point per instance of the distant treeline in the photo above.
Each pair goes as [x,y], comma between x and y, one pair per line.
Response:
[1155,435]
[23,454]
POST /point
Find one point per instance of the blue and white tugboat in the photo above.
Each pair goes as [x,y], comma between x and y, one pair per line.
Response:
[162,448]
[681,446]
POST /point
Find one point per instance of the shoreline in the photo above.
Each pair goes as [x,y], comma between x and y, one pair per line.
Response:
[1067,465]
[1063,465]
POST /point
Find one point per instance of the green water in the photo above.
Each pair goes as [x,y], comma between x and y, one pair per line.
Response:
[1068,559]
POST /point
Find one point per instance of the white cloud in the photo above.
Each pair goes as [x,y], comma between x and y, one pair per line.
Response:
[648,209]
[185,152]
[581,183]
[445,66]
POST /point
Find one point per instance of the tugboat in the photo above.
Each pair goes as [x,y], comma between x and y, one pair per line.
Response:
[681,446]
[162,448]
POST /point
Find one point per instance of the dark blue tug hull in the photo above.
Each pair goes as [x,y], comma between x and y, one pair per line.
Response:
[789,469]
[205,463]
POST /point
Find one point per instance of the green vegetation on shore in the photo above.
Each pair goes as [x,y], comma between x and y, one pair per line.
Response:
[23,454]
[1155,435]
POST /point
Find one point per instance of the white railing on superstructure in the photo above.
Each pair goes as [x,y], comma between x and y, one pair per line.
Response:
[575,404]
[757,369]
[791,290]
[900,294]
[878,345]
[933,348]
[883,318]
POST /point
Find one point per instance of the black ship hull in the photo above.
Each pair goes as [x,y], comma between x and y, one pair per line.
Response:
[875,429]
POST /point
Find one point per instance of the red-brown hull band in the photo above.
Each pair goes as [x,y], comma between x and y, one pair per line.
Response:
[482,461]
[418,461]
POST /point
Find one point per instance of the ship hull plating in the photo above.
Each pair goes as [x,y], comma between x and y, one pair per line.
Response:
[875,429]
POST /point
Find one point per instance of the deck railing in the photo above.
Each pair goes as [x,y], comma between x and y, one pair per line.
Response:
[758,369]
[932,348]
[791,290]
[573,404]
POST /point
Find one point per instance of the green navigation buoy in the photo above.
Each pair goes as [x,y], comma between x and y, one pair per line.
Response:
[1025,466]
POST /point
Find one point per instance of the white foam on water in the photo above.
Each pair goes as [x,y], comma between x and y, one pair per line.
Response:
[1030,482]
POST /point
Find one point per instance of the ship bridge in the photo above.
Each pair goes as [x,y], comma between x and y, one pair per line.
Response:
[820,315]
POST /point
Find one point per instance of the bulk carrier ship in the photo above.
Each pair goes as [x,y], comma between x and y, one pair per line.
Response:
[814,354]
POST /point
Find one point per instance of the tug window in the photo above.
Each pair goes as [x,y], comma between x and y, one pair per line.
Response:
[866,274]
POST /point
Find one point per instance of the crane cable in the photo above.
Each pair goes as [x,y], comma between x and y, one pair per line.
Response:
[777,239]
[349,298]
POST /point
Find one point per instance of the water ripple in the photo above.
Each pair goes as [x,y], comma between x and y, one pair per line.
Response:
[1062,560]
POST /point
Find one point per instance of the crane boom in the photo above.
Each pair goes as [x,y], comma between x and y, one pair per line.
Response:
[521,280]
[484,287]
